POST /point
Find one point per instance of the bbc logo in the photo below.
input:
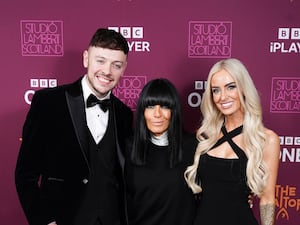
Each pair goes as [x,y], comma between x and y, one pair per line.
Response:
[289,33]
[200,85]
[288,140]
[129,32]
[43,83]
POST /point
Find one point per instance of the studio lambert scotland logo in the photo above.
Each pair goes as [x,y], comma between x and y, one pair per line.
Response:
[129,89]
[209,39]
[42,38]
[285,95]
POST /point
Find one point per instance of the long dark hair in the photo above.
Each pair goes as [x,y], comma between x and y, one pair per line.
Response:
[158,92]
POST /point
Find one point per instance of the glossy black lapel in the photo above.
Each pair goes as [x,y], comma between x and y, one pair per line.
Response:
[76,107]
[119,151]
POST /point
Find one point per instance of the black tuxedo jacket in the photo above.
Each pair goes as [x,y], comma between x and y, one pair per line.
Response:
[52,168]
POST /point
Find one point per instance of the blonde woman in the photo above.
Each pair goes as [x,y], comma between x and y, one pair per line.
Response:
[236,154]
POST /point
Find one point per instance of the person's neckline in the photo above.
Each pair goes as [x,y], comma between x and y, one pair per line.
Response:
[161,140]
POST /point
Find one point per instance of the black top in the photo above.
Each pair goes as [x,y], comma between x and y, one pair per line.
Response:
[158,194]
[224,198]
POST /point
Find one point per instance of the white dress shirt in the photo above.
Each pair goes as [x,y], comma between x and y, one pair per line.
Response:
[97,120]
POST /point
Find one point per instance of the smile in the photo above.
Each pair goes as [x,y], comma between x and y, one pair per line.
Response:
[226,105]
[103,79]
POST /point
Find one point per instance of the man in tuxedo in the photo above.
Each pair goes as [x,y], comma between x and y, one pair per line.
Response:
[70,165]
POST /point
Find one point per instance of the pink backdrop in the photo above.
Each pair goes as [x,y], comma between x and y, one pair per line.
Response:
[42,44]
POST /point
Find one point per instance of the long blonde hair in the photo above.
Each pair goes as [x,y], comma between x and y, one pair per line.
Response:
[253,128]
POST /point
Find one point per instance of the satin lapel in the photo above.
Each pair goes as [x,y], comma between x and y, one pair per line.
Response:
[77,112]
[119,151]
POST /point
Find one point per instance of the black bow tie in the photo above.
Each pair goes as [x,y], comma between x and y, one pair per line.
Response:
[93,100]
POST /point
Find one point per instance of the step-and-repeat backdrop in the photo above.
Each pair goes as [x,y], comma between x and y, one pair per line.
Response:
[42,44]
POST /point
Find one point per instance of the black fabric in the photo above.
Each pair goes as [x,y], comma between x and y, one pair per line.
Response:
[224,197]
[93,100]
[52,166]
[158,194]
[100,203]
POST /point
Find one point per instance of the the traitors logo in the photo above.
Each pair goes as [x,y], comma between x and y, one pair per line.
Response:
[286,201]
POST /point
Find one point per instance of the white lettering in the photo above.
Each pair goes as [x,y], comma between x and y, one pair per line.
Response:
[28,96]
[291,155]
[294,47]
[194,99]
[139,46]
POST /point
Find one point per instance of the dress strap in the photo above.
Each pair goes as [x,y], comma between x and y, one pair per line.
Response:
[227,136]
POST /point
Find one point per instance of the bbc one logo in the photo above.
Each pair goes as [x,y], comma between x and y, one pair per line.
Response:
[134,37]
[195,97]
[290,149]
[209,39]
[42,38]
[288,41]
[38,84]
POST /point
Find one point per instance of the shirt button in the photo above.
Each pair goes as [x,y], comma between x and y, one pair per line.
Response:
[85,181]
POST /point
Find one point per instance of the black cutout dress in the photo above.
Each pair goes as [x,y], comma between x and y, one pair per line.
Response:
[224,197]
